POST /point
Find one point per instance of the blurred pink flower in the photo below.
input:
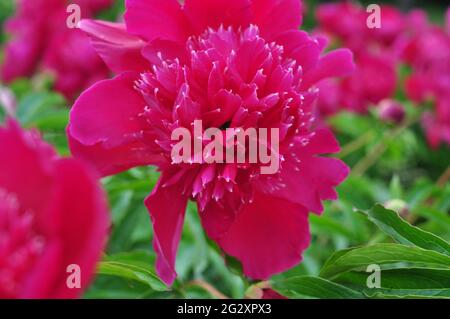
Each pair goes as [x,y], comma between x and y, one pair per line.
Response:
[346,22]
[427,52]
[376,55]
[375,79]
[41,40]
[52,215]
[235,64]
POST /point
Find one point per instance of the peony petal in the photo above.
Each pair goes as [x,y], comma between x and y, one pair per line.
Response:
[156,19]
[308,179]
[40,283]
[323,142]
[78,191]
[107,112]
[105,129]
[159,50]
[167,205]
[315,181]
[28,162]
[268,236]
[276,16]
[334,64]
[120,50]
[218,217]
[204,14]
[114,160]
[301,47]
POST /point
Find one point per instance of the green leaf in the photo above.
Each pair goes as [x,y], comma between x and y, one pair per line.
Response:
[35,105]
[327,225]
[393,225]
[352,259]
[408,293]
[136,266]
[313,287]
[360,124]
[401,278]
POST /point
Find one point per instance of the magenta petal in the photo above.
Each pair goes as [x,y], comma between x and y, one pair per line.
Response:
[315,181]
[165,49]
[323,142]
[167,205]
[120,50]
[204,14]
[42,280]
[333,64]
[300,46]
[310,179]
[108,112]
[268,236]
[28,172]
[156,19]
[216,219]
[105,128]
[275,16]
[77,207]
[113,160]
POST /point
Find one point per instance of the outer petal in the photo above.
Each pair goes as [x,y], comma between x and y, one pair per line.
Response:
[156,19]
[310,179]
[275,16]
[79,209]
[218,217]
[113,160]
[334,64]
[120,50]
[268,236]
[26,166]
[104,123]
[203,14]
[167,205]
[301,47]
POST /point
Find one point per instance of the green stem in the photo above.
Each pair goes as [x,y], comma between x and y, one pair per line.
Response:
[378,150]
[356,144]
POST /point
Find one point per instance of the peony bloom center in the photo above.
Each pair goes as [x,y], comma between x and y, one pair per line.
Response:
[230,79]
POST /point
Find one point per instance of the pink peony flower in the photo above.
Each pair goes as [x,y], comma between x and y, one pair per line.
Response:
[376,55]
[231,64]
[427,53]
[374,80]
[52,215]
[347,22]
[41,39]
[437,126]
